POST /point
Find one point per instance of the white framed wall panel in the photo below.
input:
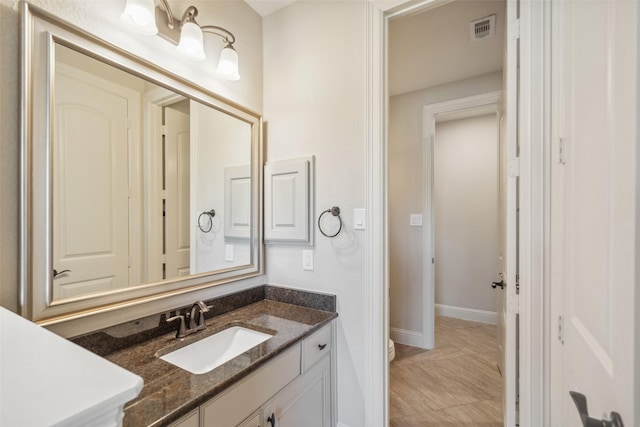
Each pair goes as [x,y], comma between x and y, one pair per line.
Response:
[288,200]
[237,202]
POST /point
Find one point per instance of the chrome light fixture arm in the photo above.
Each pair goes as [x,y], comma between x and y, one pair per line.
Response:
[164,4]
[226,35]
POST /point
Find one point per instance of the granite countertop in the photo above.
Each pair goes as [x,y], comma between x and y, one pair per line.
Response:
[170,392]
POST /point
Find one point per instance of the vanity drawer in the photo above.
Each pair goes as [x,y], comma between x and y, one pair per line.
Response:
[316,346]
[242,399]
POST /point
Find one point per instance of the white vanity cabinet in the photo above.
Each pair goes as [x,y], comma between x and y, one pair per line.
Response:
[294,389]
[305,402]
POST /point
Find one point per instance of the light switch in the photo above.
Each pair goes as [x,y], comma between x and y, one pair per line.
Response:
[228,252]
[359,219]
[307,259]
[415,220]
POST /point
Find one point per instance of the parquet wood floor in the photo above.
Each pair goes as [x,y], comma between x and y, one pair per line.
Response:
[455,385]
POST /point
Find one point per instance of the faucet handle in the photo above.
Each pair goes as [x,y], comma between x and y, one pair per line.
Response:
[196,316]
[181,327]
[203,307]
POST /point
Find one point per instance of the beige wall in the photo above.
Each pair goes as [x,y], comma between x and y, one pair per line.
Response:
[466,212]
[314,104]
[434,47]
[102,18]
[407,193]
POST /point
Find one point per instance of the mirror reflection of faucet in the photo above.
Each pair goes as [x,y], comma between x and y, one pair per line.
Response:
[195,319]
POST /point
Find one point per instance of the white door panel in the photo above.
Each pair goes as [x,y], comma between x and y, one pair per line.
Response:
[594,211]
[177,181]
[90,216]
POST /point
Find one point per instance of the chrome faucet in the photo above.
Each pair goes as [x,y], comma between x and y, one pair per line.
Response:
[195,319]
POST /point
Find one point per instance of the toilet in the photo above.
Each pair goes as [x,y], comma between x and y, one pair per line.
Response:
[392,351]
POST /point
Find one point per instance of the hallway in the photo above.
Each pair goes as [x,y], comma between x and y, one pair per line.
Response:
[456,384]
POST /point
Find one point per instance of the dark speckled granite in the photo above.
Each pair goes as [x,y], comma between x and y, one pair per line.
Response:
[313,300]
[170,392]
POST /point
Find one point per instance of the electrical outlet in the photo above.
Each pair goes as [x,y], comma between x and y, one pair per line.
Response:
[359,222]
[415,220]
[307,259]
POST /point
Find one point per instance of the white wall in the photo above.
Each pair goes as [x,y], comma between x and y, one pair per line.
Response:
[102,18]
[466,212]
[314,104]
[220,141]
[407,193]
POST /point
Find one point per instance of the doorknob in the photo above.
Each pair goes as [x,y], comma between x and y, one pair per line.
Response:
[581,403]
[57,273]
[496,284]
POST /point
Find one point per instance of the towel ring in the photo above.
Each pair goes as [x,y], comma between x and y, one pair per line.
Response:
[335,211]
[210,214]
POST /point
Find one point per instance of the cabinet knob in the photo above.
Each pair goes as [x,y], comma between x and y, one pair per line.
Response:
[321,346]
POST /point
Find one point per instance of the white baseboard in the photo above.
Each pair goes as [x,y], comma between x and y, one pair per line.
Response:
[402,336]
[466,313]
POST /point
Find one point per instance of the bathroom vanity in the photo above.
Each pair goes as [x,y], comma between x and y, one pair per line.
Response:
[292,390]
[286,380]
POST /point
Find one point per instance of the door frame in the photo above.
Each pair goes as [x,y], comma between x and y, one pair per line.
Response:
[535,328]
[430,111]
[154,101]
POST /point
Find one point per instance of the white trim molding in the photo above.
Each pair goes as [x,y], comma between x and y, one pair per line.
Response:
[376,372]
[464,313]
[536,326]
[403,336]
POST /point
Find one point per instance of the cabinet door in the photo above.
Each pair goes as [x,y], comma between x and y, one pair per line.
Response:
[245,397]
[305,402]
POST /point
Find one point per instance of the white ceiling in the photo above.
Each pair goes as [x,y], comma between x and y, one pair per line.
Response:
[434,47]
[266,7]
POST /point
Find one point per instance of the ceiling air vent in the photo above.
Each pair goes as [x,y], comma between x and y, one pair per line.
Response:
[483,28]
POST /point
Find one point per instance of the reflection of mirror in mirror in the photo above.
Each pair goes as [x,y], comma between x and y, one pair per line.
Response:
[134,167]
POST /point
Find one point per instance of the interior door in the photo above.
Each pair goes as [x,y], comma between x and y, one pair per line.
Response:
[90,217]
[177,194]
[506,286]
[594,199]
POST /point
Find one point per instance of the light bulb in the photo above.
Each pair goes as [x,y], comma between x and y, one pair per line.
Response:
[141,16]
[191,44]
[228,65]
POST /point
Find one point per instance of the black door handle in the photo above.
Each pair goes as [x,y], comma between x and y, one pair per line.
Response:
[58,273]
[272,420]
[581,403]
[496,284]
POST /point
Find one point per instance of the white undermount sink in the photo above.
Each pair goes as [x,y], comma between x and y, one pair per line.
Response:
[209,353]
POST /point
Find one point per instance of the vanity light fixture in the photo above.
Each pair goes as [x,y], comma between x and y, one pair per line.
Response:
[185,33]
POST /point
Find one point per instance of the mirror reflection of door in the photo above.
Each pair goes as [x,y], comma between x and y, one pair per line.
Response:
[91,204]
[177,188]
[134,164]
